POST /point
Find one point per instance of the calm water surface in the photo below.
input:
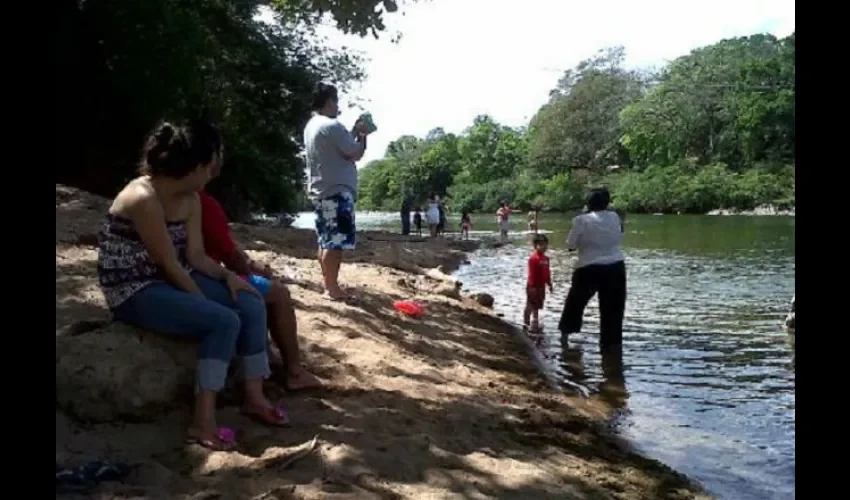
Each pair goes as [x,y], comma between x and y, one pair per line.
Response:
[707,383]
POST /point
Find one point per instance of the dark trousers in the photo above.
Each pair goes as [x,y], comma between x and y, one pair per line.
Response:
[609,280]
[405,222]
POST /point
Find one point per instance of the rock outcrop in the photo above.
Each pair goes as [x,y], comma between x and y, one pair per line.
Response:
[120,372]
[484,299]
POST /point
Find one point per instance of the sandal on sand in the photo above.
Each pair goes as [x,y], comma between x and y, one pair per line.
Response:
[273,417]
[225,440]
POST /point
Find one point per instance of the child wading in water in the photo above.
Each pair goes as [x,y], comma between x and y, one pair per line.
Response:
[465,224]
[534,219]
[417,221]
[538,279]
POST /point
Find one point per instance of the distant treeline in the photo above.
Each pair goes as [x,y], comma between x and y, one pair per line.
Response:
[713,129]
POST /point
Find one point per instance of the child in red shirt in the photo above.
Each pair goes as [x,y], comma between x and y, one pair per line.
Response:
[538,280]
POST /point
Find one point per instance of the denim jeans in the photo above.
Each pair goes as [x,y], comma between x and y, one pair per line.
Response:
[225,327]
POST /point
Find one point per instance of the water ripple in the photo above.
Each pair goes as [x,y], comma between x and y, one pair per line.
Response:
[707,368]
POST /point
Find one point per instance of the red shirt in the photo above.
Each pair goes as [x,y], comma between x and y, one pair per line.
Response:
[218,242]
[538,270]
[503,213]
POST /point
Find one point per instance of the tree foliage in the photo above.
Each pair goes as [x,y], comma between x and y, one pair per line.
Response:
[124,65]
[713,129]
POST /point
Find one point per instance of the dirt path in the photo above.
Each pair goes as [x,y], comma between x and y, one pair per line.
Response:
[444,407]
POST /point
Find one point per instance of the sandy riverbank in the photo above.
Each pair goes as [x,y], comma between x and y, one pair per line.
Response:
[449,406]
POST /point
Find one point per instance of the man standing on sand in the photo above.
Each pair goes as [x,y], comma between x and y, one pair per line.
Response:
[331,153]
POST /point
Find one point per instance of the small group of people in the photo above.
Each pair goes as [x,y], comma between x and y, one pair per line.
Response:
[167,261]
[596,236]
[503,214]
[435,216]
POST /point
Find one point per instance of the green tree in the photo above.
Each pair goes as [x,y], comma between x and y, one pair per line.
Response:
[579,127]
[126,65]
[489,150]
[731,102]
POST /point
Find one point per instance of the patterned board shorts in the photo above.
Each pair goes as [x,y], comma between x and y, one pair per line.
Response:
[335,228]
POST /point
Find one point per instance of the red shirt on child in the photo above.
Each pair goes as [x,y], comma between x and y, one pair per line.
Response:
[538,270]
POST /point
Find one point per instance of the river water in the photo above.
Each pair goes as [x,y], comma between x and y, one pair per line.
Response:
[707,383]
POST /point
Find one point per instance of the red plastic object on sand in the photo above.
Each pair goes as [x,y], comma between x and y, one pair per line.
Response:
[409,307]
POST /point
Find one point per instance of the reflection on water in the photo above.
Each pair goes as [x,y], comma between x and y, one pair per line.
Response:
[706,379]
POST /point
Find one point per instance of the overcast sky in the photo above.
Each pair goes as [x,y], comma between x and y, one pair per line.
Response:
[461,58]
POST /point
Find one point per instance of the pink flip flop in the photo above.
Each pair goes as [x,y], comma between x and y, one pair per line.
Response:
[225,440]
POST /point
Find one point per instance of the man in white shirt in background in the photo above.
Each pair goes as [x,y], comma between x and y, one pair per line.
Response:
[331,151]
[597,235]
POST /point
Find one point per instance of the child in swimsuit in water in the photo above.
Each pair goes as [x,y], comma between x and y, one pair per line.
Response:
[533,221]
[465,225]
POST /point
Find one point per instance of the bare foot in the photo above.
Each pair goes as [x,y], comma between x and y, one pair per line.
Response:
[302,380]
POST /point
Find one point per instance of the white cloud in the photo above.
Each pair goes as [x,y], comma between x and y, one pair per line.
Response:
[461,58]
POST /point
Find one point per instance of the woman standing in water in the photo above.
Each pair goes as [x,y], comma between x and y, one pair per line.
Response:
[597,235]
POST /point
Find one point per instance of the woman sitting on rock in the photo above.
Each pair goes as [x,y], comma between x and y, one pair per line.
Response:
[156,275]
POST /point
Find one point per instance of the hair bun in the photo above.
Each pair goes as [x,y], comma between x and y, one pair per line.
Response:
[165,134]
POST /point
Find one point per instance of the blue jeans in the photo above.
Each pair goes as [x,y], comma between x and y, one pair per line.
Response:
[225,327]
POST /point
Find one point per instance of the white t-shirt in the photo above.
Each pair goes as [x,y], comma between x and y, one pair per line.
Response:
[328,144]
[433,213]
[597,237]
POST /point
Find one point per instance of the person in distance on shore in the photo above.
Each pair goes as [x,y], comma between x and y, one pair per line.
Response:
[283,325]
[331,153]
[417,221]
[539,278]
[441,225]
[432,214]
[597,235]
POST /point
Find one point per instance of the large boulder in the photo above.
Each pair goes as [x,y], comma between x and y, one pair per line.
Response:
[119,372]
